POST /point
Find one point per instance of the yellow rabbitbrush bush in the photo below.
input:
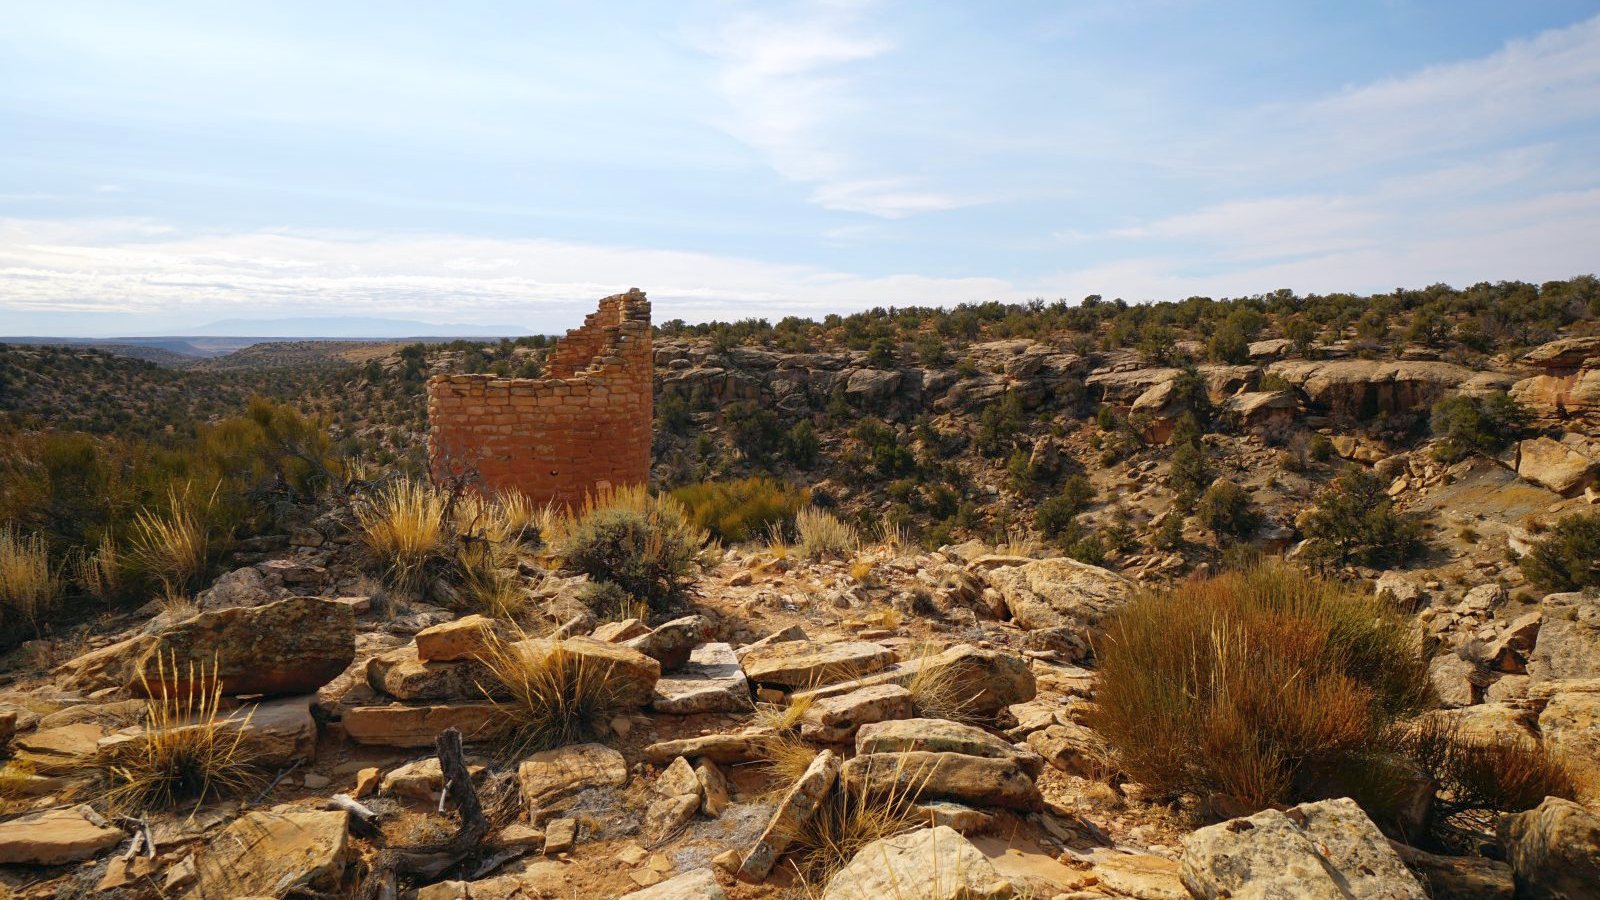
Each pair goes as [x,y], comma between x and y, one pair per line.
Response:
[743,509]
[190,749]
[1263,686]
[29,588]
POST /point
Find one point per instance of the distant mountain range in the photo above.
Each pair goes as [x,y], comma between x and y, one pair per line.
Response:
[343,327]
[228,335]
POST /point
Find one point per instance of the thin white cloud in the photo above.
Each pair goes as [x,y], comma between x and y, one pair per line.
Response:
[791,96]
[146,269]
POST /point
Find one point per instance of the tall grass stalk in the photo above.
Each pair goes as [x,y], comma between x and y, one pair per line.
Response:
[823,536]
[403,525]
[29,587]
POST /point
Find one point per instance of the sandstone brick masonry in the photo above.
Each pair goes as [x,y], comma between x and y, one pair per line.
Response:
[585,424]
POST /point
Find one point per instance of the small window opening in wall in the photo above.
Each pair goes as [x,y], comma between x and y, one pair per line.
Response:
[552,473]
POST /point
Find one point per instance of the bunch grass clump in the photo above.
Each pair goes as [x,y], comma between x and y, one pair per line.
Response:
[190,750]
[29,587]
[1264,686]
[822,535]
[549,695]
[174,545]
[847,821]
[403,525]
[940,692]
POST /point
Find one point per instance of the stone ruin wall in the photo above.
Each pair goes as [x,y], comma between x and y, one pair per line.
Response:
[584,425]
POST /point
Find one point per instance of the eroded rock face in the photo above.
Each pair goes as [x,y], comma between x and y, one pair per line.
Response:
[1564,353]
[1318,851]
[835,719]
[1554,850]
[1061,593]
[293,646]
[56,836]
[260,854]
[1363,388]
[1560,394]
[1570,725]
[401,674]
[928,864]
[670,643]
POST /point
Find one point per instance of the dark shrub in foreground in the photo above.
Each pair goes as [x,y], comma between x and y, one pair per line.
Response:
[1264,686]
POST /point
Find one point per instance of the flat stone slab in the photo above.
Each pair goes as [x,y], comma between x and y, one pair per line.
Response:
[798,664]
[56,836]
[719,748]
[419,725]
[712,681]
[554,774]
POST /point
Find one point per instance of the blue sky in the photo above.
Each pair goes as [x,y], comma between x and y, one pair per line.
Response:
[163,165]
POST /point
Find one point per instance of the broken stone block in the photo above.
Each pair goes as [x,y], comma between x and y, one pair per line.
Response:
[464,638]
[928,864]
[835,719]
[711,681]
[798,664]
[553,774]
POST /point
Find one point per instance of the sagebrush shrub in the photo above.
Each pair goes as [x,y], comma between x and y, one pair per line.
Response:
[645,545]
[1260,686]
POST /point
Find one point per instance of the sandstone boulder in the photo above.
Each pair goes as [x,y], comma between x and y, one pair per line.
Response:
[1459,877]
[292,646]
[464,638]
[1553,850]
[553,774]
[1570,725]
[1071,748]
[696,884]
[56,836]
[981,682]
[1569,638]
[1061,593]
[419,724]
[938,736]
[835,719]
[743,747]
[1328,850]
[274,734]
[629,676]
[402,674]
[1554,465]
[670,643]
[798,664]
[1005,782]
[928,864]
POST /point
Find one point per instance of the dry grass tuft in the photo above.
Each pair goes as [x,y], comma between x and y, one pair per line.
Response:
[939,693]
[555,696]
[822,535]
[29,588]
[847,821]
[101,571]
[174,546]
[1478,779]
[785,755]
[861,571]
[403,525]
[1262,685]
[189,750]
